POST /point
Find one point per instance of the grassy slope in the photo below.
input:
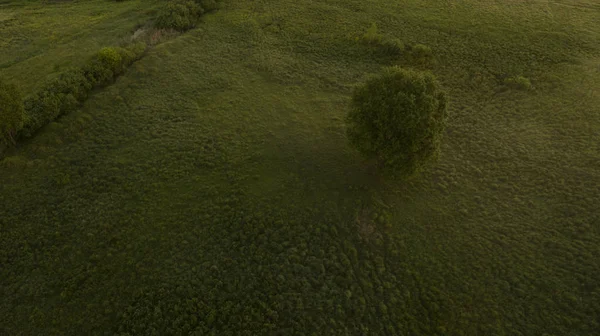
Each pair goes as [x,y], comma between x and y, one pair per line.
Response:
[212,189]
[42,38]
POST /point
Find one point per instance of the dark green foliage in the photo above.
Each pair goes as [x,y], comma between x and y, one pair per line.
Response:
[132,53]
[180,15]
[420,54]
[97,74]
[110,58]
[11,112]
[392,47]
[72,81]
[397,119]
[208,5]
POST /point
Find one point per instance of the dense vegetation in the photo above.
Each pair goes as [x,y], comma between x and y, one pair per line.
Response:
[65,93]
[212,190]
[397,119]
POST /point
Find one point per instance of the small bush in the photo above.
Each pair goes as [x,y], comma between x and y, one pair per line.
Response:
[42,108]
[372,36]
[180,15]
[97,74]
[110,58]
[397,120]
[137,49]
[518,83]
[11,113]
[421,54]
[392,48]
[65,93]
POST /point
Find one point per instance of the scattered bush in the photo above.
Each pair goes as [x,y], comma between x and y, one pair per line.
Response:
[180,15]
[416,54]
[393,48]
[137,50]
[397,119]
[386,47]
[11,112]
[110,59]
[372,36]
[41,108]
[421,54]
[208,5]
[518,83]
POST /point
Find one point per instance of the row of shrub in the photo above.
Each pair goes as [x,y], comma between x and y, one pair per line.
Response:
[63,94]
[183,15]
[418,54]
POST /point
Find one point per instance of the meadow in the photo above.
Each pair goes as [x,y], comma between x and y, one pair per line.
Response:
[211,189]
[40,39]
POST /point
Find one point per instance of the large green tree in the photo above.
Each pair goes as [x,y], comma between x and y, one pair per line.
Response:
[397,119]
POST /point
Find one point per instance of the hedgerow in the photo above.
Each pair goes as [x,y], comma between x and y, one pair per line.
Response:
[66,92]
[183,15]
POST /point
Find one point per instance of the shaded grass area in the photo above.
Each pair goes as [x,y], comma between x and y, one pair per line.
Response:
[41,38]
[211,189]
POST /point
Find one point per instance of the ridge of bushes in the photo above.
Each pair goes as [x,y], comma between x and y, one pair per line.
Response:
[22,118]
[183,15]
[65,93]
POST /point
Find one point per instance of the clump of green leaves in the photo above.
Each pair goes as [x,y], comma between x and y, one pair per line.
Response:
[420,54]
[11,112]
[518,83]
[397,119]
[110,58]
[180,15]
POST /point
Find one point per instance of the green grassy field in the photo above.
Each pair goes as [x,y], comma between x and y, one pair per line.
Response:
[211,190]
